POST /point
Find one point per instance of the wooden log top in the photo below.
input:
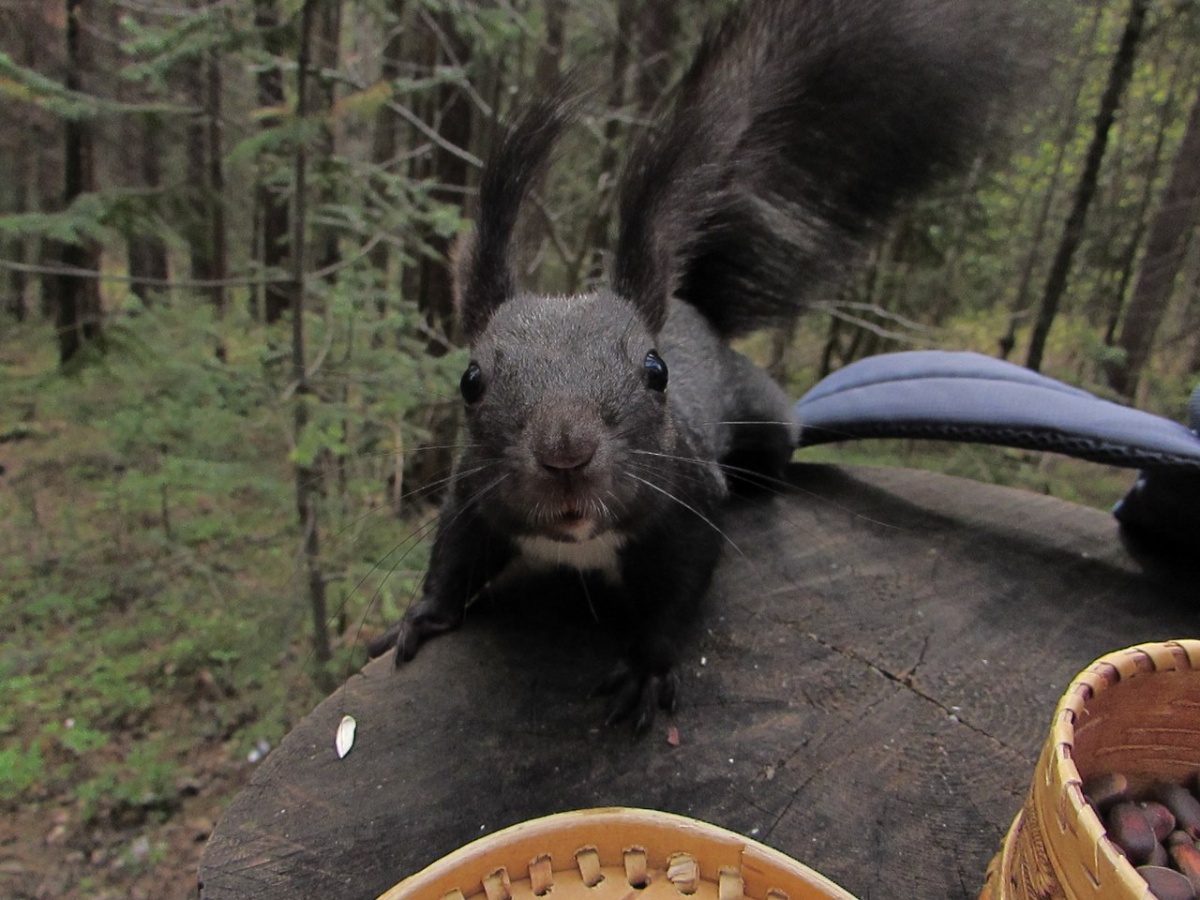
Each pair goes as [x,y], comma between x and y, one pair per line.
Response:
[868,691]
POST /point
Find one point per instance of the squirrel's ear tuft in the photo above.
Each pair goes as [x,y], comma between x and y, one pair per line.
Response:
[485,265]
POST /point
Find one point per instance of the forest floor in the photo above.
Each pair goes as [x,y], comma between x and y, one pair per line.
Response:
[154,643]
[48,851]
[153,640]
[61,838]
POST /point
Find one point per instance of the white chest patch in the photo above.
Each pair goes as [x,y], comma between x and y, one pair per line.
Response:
[595,554]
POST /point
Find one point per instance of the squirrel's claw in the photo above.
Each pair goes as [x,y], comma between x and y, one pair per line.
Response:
[409,633]
[376,647]
[637,694]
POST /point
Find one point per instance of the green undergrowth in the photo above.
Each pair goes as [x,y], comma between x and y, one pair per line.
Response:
[149,593]
[1074,480]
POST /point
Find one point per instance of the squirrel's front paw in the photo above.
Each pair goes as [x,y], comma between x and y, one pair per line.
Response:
[638,694]
[410,632]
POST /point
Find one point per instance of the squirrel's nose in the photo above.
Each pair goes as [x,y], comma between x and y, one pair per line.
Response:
[569,456]
[566,441]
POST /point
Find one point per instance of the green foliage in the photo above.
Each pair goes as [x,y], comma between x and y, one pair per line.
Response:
[81,221]
[1069,479]
[76,738]
[25,85]
[20,83]
[20,769]
[157,50]
[101,216]
[140,783]
[144,539]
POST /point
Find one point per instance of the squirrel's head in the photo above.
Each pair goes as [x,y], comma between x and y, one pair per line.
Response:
[565,400]
[565,396]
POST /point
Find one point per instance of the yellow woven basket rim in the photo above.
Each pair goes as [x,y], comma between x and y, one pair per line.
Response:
[1106,869]
[574,841]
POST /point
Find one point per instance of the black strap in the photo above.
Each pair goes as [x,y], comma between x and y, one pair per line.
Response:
[968,397]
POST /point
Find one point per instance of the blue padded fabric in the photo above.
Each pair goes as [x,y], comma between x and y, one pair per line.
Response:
[968,397]
[943,395]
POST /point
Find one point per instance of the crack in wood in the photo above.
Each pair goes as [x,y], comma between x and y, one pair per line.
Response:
[906,681]
[816,773]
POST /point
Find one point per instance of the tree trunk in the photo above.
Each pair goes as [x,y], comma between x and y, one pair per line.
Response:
[386,137]
[35,149]
[450,174]
[209,262]
[832,347]
[16,304]
[597,239]
[423,58]
[270,202]
[1178,213]
[327,57]
[657,32]
[1056,281]
[306,481]
[1193,321]
[1141,218]
[944,301]
[216,184]
[870,278]
[148,252]
[49,167]
[549,57]
[1071,121]
[16,193]
[78,318]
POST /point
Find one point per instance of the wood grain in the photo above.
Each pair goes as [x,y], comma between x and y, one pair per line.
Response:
[867,692]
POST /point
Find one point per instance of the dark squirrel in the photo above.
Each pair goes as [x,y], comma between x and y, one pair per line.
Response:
[603,428]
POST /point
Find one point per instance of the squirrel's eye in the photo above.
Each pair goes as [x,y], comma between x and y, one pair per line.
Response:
[654,370]
[471,384]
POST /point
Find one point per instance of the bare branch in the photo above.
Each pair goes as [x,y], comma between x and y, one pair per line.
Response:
[836,306]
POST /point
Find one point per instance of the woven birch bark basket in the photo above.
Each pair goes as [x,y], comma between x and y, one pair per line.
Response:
[1135,711]
[609,854]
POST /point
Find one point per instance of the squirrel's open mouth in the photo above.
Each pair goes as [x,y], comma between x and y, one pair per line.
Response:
[575,522]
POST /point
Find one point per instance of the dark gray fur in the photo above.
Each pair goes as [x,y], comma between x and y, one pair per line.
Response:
[791,139]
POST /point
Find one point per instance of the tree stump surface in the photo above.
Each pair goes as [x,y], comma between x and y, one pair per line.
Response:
[867,691]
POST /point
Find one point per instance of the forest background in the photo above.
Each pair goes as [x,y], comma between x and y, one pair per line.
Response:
[229,364]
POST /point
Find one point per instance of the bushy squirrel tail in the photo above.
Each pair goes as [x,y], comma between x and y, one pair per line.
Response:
[797,131]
